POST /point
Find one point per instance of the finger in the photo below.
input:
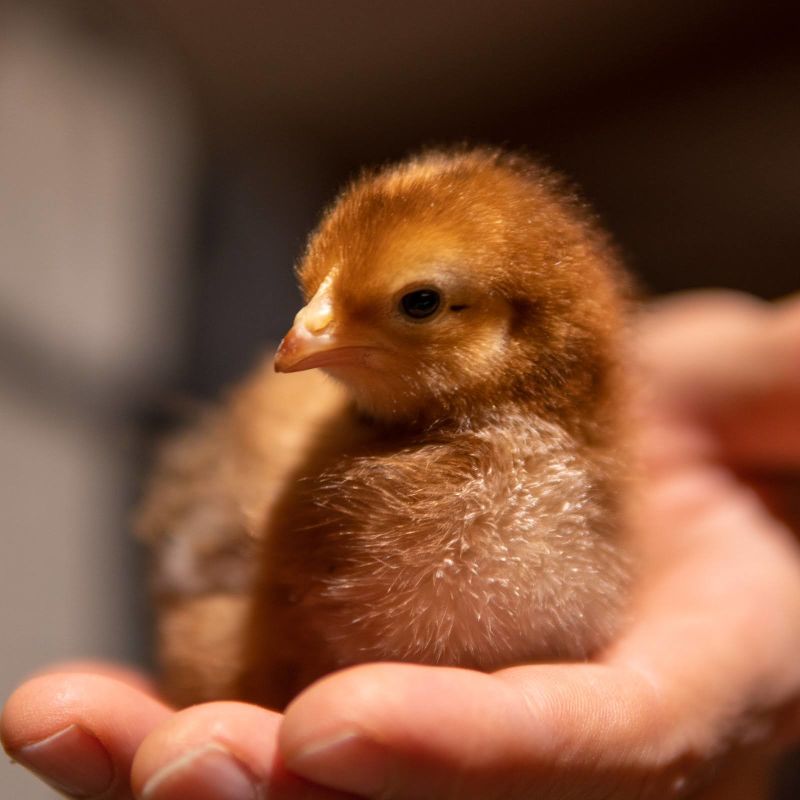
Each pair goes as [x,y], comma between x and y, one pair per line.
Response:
[218,751]
[79,732]
[700,342]
[734,363]
[408,731]
[700,346]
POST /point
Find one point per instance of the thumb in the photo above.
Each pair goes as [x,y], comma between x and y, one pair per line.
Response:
[407,731]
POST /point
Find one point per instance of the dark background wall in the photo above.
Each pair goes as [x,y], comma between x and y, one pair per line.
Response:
[679,120]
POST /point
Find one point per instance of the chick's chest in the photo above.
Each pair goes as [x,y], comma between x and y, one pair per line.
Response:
[464,547]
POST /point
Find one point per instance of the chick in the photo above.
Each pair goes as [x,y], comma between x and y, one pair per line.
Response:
[454,497]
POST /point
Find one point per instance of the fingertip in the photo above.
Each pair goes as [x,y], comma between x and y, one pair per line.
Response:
[34,711]
[330,733]
[78,732]
[196,736]
[218,751]
[96,701]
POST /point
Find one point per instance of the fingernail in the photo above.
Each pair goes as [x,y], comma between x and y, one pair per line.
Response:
[72,761]
[348,762]
[210,772]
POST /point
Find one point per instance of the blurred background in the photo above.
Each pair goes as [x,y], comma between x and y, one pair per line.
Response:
[161,163]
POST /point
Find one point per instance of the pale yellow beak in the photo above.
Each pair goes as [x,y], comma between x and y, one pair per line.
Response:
[315,341]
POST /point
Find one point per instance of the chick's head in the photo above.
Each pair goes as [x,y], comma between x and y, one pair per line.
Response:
[454,284]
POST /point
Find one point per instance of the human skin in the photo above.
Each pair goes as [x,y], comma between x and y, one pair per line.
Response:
[696,699]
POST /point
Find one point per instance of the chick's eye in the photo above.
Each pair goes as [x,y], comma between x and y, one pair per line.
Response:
[420,304]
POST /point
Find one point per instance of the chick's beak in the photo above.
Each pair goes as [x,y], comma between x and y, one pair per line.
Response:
[315,339]
[310,337]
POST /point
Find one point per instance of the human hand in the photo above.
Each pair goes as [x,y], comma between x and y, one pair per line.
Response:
[100,731]
[699,692]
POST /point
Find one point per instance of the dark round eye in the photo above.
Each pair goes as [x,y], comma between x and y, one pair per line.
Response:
[421,303]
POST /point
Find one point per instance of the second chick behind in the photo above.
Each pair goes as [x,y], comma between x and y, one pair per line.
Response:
[455,500]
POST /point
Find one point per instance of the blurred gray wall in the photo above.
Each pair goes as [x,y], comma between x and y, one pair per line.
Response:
[95,161]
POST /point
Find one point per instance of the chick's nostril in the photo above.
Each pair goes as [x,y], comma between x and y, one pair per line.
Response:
[318,324]
[315,320]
